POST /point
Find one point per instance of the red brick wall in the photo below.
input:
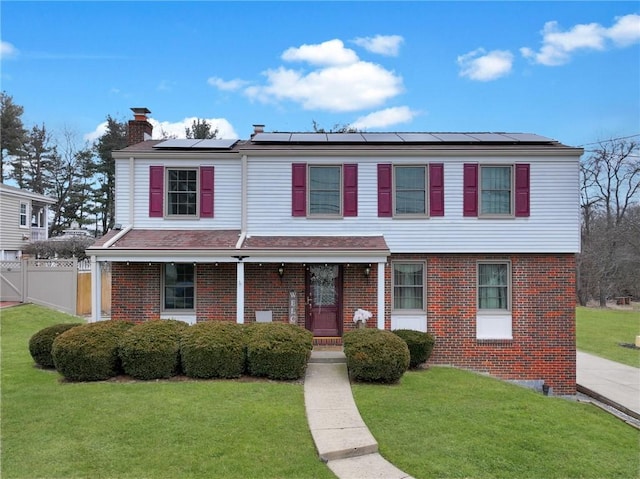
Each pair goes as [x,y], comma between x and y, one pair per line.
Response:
[543,307]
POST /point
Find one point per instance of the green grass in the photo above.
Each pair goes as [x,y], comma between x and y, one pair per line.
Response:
[448,423]
[155,429]
[599,331]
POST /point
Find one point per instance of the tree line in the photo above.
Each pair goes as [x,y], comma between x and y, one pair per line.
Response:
[82,181]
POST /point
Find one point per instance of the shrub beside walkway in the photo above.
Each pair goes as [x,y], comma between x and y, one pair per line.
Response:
[342,438]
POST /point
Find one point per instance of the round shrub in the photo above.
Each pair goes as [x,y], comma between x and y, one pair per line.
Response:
[213,349]
[374,355]
[420,345]
[89,352]
[40,343]
[278,350]
[151,350]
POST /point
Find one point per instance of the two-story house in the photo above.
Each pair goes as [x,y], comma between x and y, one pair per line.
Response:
[470,236]
[24,217]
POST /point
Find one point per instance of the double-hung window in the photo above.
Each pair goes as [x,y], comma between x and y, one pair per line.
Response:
[24,214]
[496,190]
[494,287]
[410,190]
[325,190]
[408,286]
[182,192]
[179,287]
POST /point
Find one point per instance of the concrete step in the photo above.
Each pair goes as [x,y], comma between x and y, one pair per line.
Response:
[327,356]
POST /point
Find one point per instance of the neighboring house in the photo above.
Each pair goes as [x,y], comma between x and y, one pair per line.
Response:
[24,217]
[470,236]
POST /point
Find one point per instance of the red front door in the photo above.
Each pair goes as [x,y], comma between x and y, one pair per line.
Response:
[324,299]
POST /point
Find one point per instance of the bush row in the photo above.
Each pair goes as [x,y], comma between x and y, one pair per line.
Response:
[164,348]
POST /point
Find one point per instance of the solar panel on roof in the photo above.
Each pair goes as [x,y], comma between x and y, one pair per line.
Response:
[271,137]
[454,137]
[176,143]
[419,138]
[529,137]
[345,138]
[309,137]
[491,137]
[216,143]
[381,138]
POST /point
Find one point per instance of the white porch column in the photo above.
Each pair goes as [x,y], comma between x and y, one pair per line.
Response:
[381,283]
[96,290]
[240,293]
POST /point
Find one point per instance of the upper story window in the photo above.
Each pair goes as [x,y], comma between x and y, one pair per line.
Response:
[325,190]
[494,286]
[182,192]
[179,290]
[329,191]
[496,190]
[410,190]
[408,286]
[24,213]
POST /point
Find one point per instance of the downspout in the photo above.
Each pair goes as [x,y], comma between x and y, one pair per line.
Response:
[243,235]
[243,199]
[132,183]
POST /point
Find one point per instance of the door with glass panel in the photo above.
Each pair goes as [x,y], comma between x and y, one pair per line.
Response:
[324,299]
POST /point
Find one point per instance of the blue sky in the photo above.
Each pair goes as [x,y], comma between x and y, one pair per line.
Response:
[566,70]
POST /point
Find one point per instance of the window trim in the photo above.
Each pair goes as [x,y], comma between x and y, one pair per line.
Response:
[399,311]
[24,215]
[493,312]
[340,191]
[177,311]
[512,186]
[426,191]
[167,193]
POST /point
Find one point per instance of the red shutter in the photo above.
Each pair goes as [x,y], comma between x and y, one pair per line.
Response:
[384,190]
[156,191]
[350,193]
[206,191]
[522,189]
[470,182]
[436,189]
[299,189]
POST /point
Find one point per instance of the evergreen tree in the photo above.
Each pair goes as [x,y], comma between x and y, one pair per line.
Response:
[201,130]
[12,132]
[33,162]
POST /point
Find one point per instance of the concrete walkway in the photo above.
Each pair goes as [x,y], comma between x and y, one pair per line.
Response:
[342,438]
[613,382]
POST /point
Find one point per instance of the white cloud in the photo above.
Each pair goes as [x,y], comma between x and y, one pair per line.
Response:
[388,45]
[384,118]
[331,52]
[558,46]
[482,66]
[172,129]
[230,85]
[7,50]
[343,82]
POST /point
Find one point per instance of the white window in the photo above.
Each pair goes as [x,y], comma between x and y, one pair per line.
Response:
[325,190]
[496,191]
[410,190]
[493,317]
[408,286]
[179,291]
[24,214]
[182,192]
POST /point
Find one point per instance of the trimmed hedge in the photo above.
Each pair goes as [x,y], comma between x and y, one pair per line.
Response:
[375,355]
[151,350]
[41,342]
[420,345]
[89,352]
[213,349]
[278,350]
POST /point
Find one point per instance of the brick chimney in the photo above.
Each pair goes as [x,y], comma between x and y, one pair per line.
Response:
[258,128]
[139,128]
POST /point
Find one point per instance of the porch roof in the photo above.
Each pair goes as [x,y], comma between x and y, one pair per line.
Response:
[232,246]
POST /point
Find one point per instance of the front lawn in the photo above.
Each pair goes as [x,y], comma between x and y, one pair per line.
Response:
[600,331]
[448,423]
[156,429]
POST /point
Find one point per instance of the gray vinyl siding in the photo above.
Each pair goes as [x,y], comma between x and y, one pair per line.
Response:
[553,225]
[227,195]
[11,232]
